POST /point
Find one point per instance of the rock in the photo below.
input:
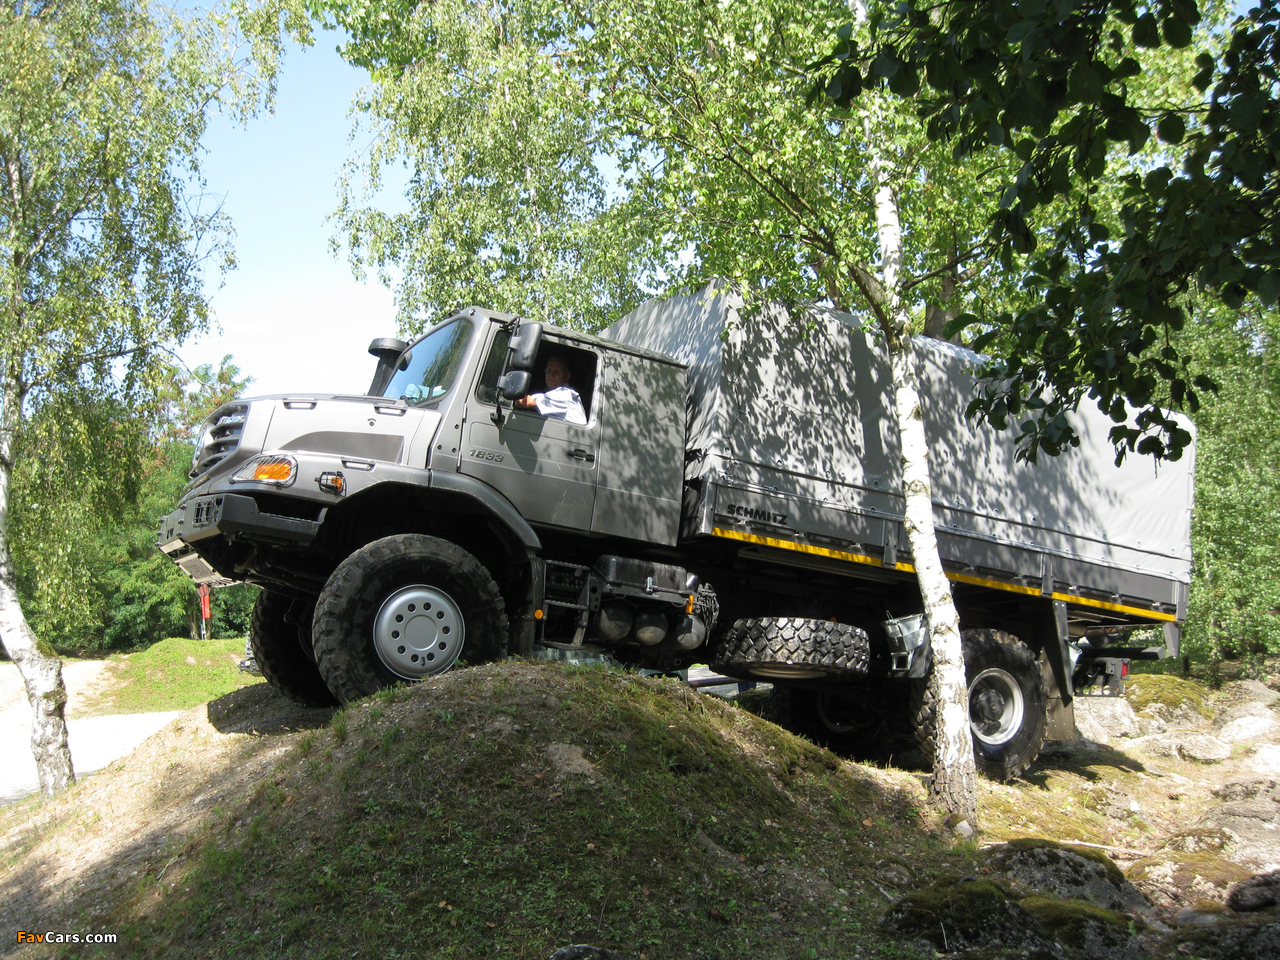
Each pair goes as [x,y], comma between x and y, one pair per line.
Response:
[1156,745]
[966,914]
[1104,719]
[1243,691]
[1257,893]
[964,831]
[1198,840]
[1067,873]
[1250,789]
[1265,759]
[1246,722]
[1252,819]
[1088,931]
[1190,916]
[1227,940]
[894,872]
[1202,748]
[1186,878]
[584,951]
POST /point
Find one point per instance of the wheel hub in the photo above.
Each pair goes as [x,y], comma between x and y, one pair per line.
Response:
[995,706]
[418,632]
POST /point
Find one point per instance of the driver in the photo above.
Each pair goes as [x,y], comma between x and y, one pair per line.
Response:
[561,401]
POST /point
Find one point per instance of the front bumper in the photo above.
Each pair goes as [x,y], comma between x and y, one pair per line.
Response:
[227,516]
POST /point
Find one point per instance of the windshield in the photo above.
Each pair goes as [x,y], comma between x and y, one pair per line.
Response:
[432,364]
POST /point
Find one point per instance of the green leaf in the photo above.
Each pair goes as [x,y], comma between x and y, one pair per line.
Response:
[1177,33]
[1146,33]
[1171,128]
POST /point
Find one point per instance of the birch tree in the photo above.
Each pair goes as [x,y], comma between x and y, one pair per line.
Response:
[724,172]
[103,242]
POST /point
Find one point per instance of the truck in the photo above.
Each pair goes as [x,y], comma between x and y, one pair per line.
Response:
[733,498]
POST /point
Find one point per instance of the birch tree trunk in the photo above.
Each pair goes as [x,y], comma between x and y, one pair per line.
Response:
[39,666]
[954,782]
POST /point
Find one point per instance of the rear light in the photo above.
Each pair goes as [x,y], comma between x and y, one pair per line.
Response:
[1124,669]
[276,469]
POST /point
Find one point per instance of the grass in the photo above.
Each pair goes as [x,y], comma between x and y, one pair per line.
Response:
[445,821]
[174,674]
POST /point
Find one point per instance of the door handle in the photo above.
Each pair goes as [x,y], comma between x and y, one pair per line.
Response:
[583,455]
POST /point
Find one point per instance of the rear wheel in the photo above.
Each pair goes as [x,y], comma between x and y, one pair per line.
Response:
[792,649]
[1008,704]
[282,651]
[405,608]
[850,723]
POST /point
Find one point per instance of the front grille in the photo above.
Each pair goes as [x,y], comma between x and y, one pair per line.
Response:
[220,437]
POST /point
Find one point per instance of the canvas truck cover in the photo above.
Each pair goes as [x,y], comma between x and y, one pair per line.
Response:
[792,444]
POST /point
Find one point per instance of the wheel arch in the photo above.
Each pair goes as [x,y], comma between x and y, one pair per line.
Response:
[469,514]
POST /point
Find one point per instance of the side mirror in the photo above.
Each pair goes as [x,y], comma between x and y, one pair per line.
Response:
[515,384]
[524,346]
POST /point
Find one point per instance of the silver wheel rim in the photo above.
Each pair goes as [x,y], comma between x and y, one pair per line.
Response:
[785,671]
[996,706]
[418,632]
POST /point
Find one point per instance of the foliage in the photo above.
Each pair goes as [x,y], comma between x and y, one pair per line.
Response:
[91,579]
[104,237]
[1065,88]
[510,116]
[1235,534]
[509,203]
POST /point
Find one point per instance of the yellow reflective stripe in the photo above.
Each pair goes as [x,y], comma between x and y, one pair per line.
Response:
[958,577]
[792,545]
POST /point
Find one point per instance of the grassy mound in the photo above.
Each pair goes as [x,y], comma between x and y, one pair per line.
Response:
[511,809]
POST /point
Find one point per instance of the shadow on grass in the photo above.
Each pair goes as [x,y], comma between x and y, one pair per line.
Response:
[260,711]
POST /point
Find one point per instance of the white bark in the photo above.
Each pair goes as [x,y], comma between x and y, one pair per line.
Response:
[954,782]
[39,666]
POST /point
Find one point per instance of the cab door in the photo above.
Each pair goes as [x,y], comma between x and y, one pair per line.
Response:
[546,467]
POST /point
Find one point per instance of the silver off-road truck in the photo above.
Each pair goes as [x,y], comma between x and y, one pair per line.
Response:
[733,498]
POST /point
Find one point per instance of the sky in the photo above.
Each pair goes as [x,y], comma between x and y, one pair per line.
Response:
[292,315]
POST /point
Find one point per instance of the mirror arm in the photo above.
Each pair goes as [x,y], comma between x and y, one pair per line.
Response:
[497,416]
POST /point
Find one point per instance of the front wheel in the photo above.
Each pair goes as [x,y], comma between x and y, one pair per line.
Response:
[403,608]
[1008,704]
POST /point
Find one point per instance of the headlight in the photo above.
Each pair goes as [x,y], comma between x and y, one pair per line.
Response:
[276,468]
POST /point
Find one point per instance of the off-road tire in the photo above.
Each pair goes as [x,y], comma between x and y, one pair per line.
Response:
[848,725]
[412,572]
[1009,664]
[281,650]
[791,648]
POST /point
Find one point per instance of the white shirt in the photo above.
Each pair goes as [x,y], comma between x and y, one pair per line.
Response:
[562,403]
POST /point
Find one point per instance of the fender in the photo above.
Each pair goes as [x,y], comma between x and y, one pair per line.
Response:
[492,500]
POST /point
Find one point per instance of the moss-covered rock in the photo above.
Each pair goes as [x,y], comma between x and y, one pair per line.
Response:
[1144,691]
[1087,930]
[965,914]
[1228,940]
[1185,878]
[1064,872]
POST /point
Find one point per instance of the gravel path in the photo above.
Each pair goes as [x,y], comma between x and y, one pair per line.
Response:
[95,741]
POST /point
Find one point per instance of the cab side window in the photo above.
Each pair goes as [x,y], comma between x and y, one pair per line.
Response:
[582,366]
